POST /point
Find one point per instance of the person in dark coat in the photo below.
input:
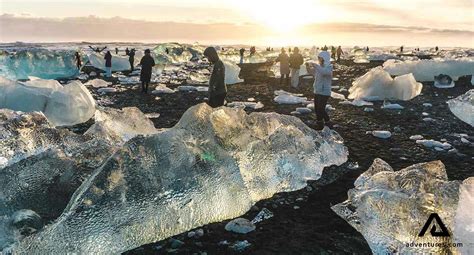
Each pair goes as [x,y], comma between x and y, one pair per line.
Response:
[242,51]
[131,59]
[78,60]
[217,86]
[116,51]
[147,62]
[296,60]
[127,51]
[108,64]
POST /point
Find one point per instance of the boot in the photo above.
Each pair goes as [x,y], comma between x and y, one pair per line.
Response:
[329,124]
[319,125]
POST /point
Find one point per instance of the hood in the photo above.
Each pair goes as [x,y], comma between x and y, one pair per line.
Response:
[326,56]
[211,53]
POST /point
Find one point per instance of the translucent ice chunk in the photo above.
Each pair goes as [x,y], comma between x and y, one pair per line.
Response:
[213,165]
[121,125]
[378,83]
[119,63]
[426,70]
[232,73]
[463,107]
[41,63]
[390,208]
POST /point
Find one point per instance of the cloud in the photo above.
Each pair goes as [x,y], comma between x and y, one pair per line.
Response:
[93,28]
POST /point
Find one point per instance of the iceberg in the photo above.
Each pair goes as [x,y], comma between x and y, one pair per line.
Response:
[463,107]
[213,165]
[174,53]
[42,63]
[284,97]
[63,105]
[98,83]
[426,70]
[391,208]
[250,105]
[378,83]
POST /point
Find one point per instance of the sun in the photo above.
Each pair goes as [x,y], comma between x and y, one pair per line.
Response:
[282,17]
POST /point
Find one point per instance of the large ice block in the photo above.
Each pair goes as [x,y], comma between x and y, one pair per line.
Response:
[391,208]
[463,107]
[120,126]
[377,83]
[42,63]
[213,165]
[63,105]
[426,70]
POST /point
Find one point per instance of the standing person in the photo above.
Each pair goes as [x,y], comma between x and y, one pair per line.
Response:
[108,64]
[325,48]
[242,51]
[116,51]
[401,49]
[98,50]
[252,51]
[217,86]
[127,51]
[367,49]
[78,60]
[296,60]
[284,60]
[339,52]
[322,87]
[131,59]
[333,52]
[147,62]
[436,48]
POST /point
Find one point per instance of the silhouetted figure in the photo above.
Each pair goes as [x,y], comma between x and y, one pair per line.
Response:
[252,51]
[401,49]
[167,51]
[116,51]
[98,50]
[284,60]
[131,59]
[296,60]
[339,52]
[217,86]
[325,48]
[289,50]
[78,60]
[147,62]
[367,49]
[322,87]
[108,64]
[436,48]
[333,52]
[127,51]
[241,52]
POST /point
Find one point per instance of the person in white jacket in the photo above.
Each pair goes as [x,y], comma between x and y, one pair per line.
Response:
[322,87]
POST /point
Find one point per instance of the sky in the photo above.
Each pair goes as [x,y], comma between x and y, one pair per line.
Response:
[295,22]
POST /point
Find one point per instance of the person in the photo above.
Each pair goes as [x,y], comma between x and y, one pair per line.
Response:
[367,49]
[284,60]
[322,87]
[78,60]
[98,50]
[339,52]
[296,60]
[401,49]
[167,51]
[131,59]
[325,48]
[127,51]
[116,51]
[252,51]
[436,48]
[333,52]
[147,63]
[242,51]
[108,64]
[217,86]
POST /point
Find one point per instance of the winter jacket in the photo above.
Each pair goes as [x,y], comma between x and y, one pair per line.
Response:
[284,63]
[323,75]
[217,84]
[108,60]
[147,63]
[296,60]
